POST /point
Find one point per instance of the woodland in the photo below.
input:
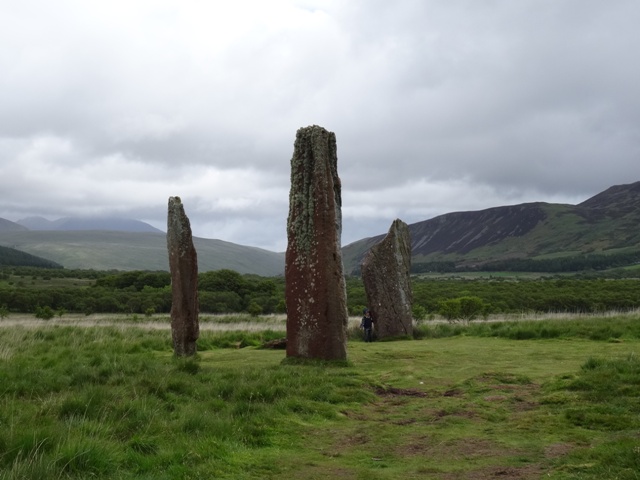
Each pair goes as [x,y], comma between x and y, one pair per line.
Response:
[55,291]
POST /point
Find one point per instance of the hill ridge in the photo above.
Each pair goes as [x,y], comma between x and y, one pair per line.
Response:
[603,223]
[112,250]
[108,223]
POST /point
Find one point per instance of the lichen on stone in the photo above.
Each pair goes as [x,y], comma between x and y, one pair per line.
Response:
[315,288]
[387,281]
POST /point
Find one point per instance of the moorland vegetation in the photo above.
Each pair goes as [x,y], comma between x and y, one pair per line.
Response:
[527,398]
[25,290]
[543,399]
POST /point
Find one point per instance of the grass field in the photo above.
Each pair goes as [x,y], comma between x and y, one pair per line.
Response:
[104,401]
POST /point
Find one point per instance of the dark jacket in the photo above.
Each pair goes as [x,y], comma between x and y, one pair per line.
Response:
[367,322]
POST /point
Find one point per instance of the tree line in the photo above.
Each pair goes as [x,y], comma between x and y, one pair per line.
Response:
[26,290]
[542,295]
[221,291]
[569,264]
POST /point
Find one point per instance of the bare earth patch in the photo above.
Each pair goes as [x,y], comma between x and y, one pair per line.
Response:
[388,391]
[474,453]
[527,472]
[558,450]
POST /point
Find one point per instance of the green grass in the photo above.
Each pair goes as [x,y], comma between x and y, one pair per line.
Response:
[614,329]
[108,402]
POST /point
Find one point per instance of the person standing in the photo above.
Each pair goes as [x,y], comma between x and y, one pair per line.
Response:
[367,325]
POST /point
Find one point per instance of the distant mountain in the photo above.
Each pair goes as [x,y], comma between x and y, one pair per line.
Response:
[9,226]
[36,223]
[115,224]
[112,250]
[604,224]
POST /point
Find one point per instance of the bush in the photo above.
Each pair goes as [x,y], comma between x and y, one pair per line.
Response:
[471,308]
[419,313]
[465,309]
[450,309]
[45,313]
[254,309]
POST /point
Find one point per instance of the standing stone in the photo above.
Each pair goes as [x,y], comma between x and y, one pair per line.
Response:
[315,287]
[387,282]
[183,263]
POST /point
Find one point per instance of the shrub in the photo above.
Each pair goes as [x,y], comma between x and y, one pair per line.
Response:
[44,313]
[465,309]
[419,313]
[254,309]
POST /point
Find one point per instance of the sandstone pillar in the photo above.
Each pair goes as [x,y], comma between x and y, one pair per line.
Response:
[387,282]
[315,287]
[183,263]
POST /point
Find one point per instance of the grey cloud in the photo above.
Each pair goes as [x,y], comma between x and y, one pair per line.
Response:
[436,106]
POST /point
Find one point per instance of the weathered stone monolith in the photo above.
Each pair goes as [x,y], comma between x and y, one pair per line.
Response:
[387,282]
[183,263]
[315,287]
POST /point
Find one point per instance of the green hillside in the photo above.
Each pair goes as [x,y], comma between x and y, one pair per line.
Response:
[107,250]
[535,236]
[10,257]
[604,225]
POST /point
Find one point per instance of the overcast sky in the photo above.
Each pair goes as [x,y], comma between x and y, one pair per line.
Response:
[109,107]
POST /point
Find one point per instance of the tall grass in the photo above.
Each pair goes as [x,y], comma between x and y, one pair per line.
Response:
[79,402]
[466,402]
[591,328]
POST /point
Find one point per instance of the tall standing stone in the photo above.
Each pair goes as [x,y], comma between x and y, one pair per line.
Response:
[387,282]
[183,263]
[315,287]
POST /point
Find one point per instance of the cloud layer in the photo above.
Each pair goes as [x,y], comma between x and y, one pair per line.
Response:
[112,107]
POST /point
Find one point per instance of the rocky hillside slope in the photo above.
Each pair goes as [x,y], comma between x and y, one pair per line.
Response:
[605,223]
